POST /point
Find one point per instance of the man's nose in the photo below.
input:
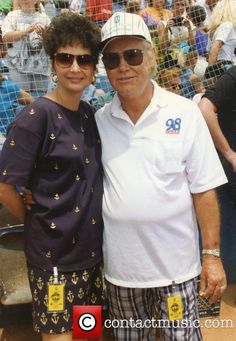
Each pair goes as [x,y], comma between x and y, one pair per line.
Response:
[123,63]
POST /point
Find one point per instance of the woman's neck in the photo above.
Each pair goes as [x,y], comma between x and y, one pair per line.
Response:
[28,10]
[67,100]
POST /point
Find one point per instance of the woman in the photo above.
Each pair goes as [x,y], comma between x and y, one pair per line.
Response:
[156,9]
[223,33]
[27,61]
[53,147]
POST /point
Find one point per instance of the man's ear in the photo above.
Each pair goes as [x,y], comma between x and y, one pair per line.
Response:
[153,63]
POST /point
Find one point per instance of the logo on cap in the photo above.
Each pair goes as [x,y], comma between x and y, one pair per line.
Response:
[117,19]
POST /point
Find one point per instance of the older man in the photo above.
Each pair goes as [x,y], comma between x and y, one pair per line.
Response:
[160,171]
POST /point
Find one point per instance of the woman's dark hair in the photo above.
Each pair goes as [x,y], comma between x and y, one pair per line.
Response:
[71,29]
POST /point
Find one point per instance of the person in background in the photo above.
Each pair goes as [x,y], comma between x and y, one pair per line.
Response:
[99,11]
[176,34]
[191,83]
[208,5]
[119,5]
[156,9]
[10,97]
[26,59]
[197,15]
[222,33]
[10,94]
[53,147]
[218,106]
[170,79]
[156,152]
[150,21]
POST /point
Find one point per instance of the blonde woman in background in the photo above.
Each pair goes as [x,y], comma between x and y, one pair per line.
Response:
[222,33]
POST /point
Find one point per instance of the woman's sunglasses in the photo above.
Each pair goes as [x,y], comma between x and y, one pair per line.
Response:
[65,60]
[111,60]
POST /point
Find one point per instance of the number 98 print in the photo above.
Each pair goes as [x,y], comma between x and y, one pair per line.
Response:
[87,322]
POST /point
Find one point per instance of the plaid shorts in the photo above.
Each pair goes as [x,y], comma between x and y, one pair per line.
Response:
[147,303]
[83,287]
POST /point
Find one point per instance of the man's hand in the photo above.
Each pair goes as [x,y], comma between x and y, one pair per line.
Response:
[213,279]
[230,156]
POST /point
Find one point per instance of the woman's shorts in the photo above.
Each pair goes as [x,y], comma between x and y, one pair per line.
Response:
[83,287]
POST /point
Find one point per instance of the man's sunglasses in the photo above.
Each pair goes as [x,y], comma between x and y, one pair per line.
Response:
[134,57]
[65,60]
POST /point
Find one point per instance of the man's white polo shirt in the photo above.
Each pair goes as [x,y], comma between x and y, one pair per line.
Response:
[150,170]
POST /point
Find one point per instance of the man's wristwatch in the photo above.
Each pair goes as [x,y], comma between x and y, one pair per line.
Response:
[213,252]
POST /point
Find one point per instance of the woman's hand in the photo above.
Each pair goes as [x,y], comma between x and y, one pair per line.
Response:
[27,198]
[38,28]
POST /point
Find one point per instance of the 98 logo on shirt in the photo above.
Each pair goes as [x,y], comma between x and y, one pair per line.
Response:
[87,322]
[173,126]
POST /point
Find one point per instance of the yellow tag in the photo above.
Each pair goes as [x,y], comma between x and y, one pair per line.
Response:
[175,309]
[56,297]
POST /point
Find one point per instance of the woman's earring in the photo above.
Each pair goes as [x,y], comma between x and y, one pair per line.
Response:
[54,77]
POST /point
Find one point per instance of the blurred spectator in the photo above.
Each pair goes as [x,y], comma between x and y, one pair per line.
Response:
[177,32]
[156,9]
[38,3]
[222,32]
[197,15]
[3,52]
[76,6]
[212,74]
[133,7]
[99,11]
[175,36]
[150,21]
[208,5]
[191,84]
[218,107]
[63,6]
[170,79]
[179,8]
[10,96]
[119,5]
[26,59]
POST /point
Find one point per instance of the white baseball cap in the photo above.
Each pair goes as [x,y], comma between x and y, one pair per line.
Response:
[124,24]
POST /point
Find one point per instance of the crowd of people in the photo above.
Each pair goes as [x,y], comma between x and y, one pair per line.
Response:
[133,185]
[192,35]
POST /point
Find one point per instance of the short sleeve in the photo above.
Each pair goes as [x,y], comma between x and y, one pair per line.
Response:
[23,146]
[223,31]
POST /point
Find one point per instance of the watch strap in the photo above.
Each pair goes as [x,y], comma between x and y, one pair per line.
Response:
[213,252]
